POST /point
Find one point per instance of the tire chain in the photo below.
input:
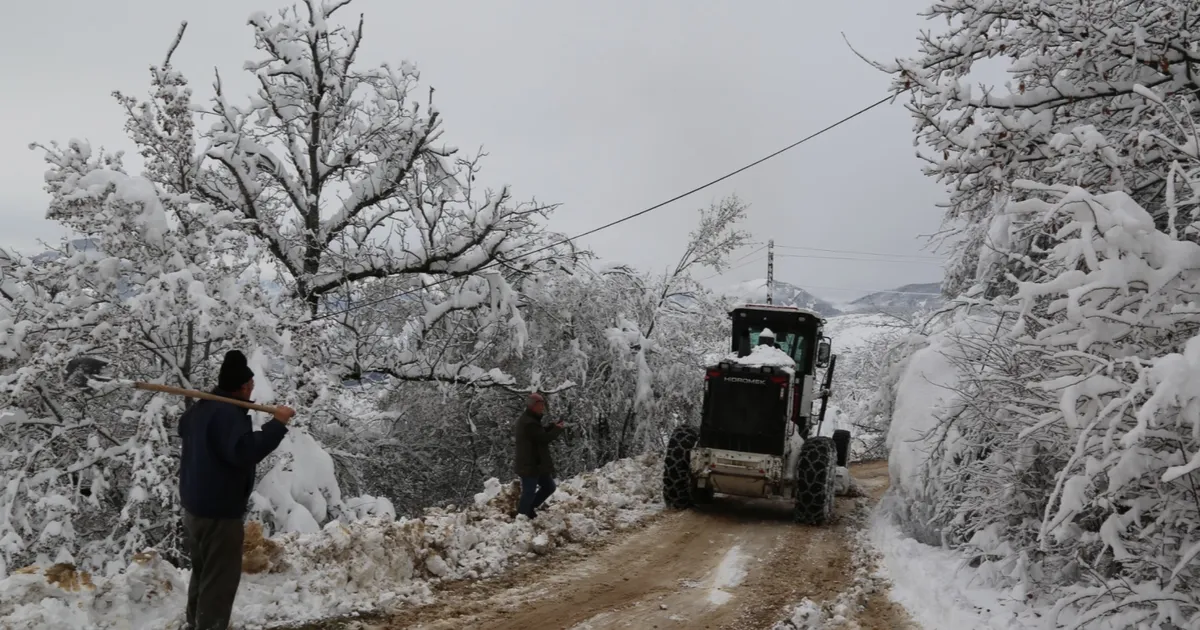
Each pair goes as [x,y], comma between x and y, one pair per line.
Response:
[677,475]
[816,473]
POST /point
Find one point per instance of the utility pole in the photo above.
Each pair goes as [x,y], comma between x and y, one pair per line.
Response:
[770,271]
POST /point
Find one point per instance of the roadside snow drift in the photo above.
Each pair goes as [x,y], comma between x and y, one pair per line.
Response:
[372,564]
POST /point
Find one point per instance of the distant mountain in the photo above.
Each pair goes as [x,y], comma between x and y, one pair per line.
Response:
[900,301]
[785,295]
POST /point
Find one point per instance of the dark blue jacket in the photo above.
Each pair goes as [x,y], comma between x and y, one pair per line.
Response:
[220,451]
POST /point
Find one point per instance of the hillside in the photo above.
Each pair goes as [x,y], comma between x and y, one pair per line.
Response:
[901,300]
[785,294]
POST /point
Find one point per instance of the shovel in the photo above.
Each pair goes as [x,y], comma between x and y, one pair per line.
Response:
[191,393]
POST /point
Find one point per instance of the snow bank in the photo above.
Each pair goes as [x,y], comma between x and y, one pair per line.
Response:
[936,588]
[342,569]
[927,397]
[942,592]
[924,394]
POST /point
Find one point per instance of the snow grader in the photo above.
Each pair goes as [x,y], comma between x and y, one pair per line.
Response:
[755,437]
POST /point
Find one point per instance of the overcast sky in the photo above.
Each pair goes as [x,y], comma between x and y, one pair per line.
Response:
[605,107]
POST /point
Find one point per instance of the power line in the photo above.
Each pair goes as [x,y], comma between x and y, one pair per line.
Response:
[745,264]
[878,260]
[753,252]
[851,251]
[621,220]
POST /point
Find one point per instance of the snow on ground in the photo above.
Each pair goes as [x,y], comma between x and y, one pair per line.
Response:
[373,564]
[938,590]
[729,574]
[941,591]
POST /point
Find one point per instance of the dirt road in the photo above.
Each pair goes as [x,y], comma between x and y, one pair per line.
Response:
[735,564]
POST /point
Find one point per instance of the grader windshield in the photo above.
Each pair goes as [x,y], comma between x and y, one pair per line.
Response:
[790,342]
[796,331]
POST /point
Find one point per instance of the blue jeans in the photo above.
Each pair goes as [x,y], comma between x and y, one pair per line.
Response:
[534,492]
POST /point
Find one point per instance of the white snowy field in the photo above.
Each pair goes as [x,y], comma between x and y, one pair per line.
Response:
[368,565]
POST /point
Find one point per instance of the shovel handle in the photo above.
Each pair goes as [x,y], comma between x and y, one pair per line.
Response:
[192,393]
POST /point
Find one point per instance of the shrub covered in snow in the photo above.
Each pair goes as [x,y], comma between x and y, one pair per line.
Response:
[1063,453]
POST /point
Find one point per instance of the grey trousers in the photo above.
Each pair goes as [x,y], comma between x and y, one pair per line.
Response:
[215,546]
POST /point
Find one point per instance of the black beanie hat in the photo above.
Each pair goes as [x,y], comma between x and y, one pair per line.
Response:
[234,372]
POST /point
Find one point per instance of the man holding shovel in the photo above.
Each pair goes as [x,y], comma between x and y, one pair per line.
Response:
[216,474]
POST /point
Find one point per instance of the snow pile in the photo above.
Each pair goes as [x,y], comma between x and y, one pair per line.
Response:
[61,597]
[764,356]
[844,484]
[342,569]
[805,616]
[924,396]
[299,491]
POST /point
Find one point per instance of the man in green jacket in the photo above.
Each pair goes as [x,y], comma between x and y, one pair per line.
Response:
[533,463]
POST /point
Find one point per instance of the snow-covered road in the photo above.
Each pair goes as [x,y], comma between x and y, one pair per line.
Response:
[736,564]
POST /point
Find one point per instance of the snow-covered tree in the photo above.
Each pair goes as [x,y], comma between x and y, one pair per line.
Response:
[149,283]
[636,335]
[587,327]
[340,173]
[1069,460]
[864,375]
[1071,110]
[329,183]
